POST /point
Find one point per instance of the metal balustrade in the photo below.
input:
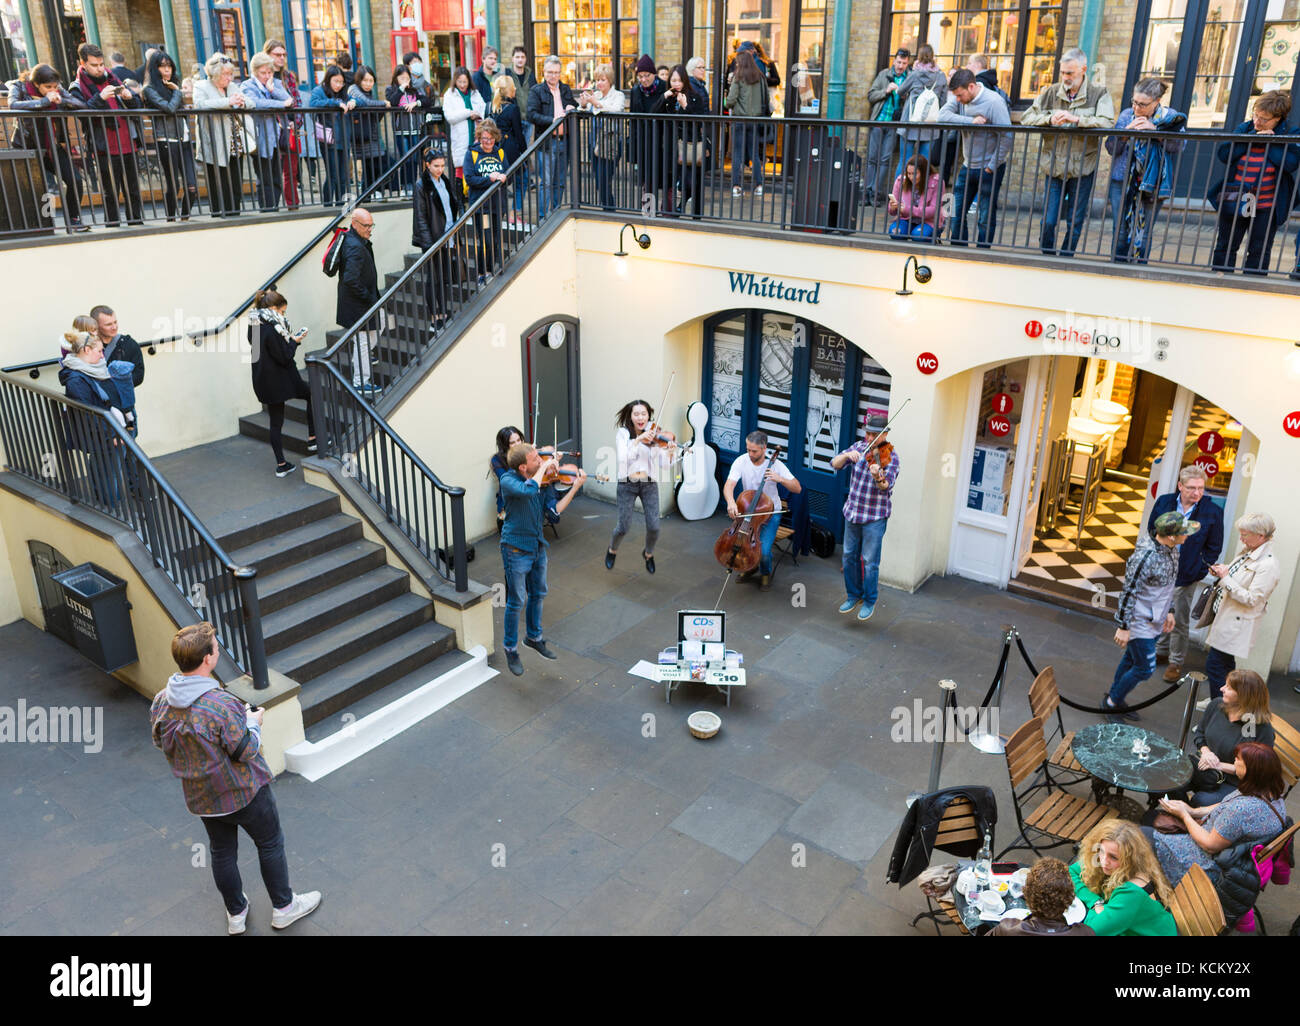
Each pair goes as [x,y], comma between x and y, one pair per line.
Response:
[84,455]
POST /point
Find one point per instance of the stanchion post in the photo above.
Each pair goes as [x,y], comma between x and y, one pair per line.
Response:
[980,739]
[1195,676]
[949,700]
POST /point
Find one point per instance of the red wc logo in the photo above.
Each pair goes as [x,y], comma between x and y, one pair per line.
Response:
[1033,328]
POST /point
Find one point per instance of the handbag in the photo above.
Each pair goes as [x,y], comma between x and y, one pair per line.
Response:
[1168,823]
[690,152]
[324,133]
[1202,600]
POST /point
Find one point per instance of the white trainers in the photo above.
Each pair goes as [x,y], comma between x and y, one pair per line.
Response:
[235,924]
[735,190]
[758,190]
[302,905]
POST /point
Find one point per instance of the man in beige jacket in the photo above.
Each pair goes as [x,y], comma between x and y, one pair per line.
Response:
[1240,598]
[1069,161]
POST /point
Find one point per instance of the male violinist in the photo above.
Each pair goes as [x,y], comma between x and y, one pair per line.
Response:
[749,470]
[523,549]
[866,514]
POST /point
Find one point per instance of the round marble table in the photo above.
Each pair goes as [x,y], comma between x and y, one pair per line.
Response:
[1105,750]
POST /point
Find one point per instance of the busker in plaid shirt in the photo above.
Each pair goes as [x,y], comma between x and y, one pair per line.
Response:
[866,514]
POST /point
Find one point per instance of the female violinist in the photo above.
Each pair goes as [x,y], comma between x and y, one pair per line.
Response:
[554,504]
[756,473]
[644,452]
[866,513]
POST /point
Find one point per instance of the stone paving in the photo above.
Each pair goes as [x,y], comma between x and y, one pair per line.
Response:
[601,829]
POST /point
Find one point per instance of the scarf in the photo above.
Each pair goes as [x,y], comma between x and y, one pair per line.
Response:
[117,136]
[467,97]
[1220,592]
[99,371]
[276,320]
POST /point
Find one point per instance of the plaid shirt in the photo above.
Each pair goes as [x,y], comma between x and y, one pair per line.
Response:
[866,500]
[200,741]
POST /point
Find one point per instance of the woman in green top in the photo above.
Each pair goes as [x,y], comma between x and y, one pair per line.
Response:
[1119,880]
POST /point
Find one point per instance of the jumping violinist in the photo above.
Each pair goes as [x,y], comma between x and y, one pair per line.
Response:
[644,451]
[866,513]
[749,470]
[523,549]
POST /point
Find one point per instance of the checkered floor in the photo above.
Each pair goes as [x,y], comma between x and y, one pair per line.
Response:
[1093,572]
[1096,567]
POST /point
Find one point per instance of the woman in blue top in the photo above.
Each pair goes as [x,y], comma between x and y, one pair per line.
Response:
[509,436]
[86,378]
[367,126]
[331,131]
[1142,171]
[263,92]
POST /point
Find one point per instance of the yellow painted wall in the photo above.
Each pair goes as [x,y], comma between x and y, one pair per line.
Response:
[181,281]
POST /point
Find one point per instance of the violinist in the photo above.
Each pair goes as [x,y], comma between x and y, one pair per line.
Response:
[523,549]
[751,470]
[498,465]
[644,451]
[866,513]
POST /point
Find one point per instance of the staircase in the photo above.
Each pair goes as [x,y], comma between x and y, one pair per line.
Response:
[336,617]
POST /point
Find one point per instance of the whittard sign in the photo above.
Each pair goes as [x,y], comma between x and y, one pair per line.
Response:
[772,288]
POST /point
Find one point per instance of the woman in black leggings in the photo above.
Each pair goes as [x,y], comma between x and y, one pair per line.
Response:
[275,374]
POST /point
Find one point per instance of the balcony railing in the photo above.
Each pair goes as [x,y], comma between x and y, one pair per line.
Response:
[77,170]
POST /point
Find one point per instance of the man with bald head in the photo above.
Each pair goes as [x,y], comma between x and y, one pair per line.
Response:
[358,292]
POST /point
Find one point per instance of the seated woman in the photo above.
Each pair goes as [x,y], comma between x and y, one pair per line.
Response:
[1120,882]
[1254,811]
[916,204]
[1241,714]
[507,437]
[1049,891]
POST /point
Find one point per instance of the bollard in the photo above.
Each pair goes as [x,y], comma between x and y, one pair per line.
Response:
[1195,676]
[949,700]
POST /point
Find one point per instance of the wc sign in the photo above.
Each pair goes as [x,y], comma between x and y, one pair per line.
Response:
[1083,335]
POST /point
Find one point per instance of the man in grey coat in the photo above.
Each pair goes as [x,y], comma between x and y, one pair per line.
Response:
[985,153]
[883,140]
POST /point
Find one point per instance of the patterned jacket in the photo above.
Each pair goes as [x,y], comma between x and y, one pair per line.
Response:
[1148,593]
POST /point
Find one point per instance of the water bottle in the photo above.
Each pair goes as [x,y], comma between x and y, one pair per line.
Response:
[984,863]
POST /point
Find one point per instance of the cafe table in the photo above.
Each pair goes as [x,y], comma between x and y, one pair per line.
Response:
[1129,758]
[959,900]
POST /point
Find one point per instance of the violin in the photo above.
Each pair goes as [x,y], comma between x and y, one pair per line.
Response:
[567,474]
[659,438]
[882,454]
[739,546]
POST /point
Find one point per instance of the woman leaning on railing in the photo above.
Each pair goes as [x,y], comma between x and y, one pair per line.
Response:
[47,135]
[164,92]
[223,140]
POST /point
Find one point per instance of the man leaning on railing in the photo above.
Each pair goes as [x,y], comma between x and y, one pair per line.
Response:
[112,138]
[985,153]
[43,92]
[1070,163]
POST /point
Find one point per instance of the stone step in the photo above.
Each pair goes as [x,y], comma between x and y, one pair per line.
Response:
[295,583]
[326,609]
[288,547]
[350,641]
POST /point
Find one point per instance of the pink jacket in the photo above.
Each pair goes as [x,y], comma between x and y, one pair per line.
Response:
[927,209]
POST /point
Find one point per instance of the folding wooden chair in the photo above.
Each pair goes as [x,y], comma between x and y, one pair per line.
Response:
[1044,701]
[959,825]
[1287,746]
[1273,848]
[783,546]
[1196,906]
[1063,817]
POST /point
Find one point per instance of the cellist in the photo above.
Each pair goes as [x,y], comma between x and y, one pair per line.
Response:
[748,471]
[866,512]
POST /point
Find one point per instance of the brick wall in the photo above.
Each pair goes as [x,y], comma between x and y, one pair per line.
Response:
[668,33]
[864,40]
[510,21]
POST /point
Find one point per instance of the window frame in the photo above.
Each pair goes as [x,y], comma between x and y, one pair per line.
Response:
[551,23]
[1024,8]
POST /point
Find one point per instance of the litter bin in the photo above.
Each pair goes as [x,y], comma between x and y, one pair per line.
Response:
[827,180]
[100,615]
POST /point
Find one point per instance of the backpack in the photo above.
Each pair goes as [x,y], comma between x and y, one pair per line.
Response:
[925,107]
[329,263]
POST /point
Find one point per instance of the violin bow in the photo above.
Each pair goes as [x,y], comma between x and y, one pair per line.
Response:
[887,423]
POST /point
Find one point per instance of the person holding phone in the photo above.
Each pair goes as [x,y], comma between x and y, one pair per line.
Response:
[113,139]
[275,373]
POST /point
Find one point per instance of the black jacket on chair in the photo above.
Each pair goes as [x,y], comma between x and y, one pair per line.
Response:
[428,221]
[920,827]
[358,282]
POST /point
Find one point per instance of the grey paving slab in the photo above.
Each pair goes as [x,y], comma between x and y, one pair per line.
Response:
[627,811]
[679,871]
[803,657]
[603,618]
[496,905]
[850,814]
[616,908]
[802,881]
[735,816]
[733,913]
[566,862]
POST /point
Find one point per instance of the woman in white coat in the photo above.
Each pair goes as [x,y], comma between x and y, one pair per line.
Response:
[222,140]
[462,105]
[1240,598]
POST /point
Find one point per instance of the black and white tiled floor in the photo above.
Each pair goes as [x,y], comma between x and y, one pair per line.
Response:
[1095,569]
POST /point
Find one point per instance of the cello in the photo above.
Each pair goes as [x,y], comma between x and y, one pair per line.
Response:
[739,546]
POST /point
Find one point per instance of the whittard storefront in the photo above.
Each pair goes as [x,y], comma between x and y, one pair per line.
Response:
[1037,428]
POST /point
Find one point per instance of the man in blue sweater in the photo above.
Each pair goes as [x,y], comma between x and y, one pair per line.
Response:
[1195,556]
[971,103]
[523,549]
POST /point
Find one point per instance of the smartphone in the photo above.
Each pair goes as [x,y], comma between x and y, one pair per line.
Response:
[300,333]
[1005,868]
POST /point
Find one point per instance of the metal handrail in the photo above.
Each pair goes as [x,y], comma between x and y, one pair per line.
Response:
[348,427]
[464,223]
[197,337]
[150,508]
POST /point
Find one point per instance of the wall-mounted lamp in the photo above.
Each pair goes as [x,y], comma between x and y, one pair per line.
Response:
[923,275]
[620,261]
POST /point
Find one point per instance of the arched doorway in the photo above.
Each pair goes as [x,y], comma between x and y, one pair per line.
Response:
[807,387]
